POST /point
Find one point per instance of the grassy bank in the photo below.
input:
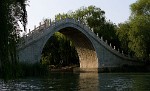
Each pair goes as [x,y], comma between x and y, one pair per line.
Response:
[23,70]
[33,70]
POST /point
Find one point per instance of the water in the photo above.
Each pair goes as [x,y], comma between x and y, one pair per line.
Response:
[81,82]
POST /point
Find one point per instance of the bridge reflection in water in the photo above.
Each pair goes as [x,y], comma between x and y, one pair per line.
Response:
[81,82]
[89,82]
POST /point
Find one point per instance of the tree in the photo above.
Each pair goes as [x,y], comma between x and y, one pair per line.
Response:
[122,32]
[139,35]
[135,34]
[11,13]
[140,7]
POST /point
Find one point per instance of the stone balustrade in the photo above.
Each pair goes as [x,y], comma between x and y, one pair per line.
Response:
[39,31]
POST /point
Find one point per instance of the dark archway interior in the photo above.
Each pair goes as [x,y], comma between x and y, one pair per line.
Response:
[59,51]
[83,47]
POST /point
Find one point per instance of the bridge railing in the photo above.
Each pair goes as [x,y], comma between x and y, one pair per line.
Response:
[39,31]
[34,33]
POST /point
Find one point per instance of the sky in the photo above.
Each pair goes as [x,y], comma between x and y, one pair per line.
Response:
[117,11]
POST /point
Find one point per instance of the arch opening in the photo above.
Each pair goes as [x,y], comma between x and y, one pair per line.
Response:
[84,47]
[59,52]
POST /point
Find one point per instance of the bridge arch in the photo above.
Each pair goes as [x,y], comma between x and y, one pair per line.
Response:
[84,45]
[93,52]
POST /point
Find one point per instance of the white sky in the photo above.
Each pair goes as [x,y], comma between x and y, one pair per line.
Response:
[116,11]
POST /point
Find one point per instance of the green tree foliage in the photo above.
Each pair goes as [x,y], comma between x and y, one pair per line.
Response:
[95,18]
[122,32]
[135,34]
[139,36]
[140,29]
[59,51]
[11,13]
[140,7]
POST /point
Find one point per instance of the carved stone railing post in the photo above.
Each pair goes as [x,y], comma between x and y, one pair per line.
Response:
[114,47]
[106,41]
[102,38]
[92,29]
[97,34]
[78,19]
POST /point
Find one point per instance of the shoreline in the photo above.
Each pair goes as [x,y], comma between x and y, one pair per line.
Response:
[126,69]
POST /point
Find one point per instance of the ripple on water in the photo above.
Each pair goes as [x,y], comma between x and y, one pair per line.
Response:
[80,82]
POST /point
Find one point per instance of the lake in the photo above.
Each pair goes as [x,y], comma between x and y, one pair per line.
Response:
[81,82]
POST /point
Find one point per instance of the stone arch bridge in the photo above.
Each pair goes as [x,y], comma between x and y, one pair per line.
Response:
[93,52]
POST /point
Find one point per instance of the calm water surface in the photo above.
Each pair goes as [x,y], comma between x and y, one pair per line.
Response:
[81,82]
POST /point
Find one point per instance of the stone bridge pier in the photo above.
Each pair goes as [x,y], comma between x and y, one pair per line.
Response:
[86,51]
